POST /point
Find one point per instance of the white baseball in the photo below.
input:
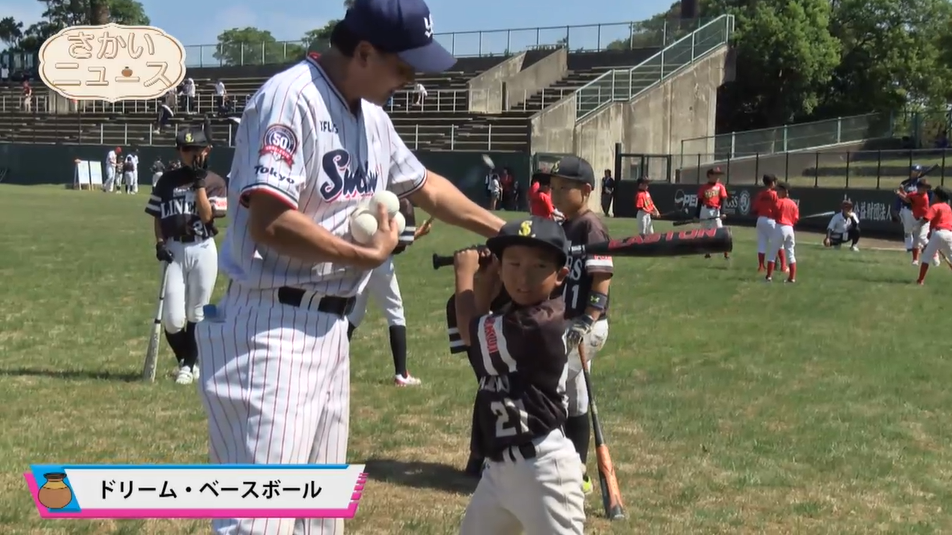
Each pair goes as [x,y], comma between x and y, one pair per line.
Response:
[363,226]
[400,222]
[388,199]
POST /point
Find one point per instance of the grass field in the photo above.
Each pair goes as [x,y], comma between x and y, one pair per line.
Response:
[731,405]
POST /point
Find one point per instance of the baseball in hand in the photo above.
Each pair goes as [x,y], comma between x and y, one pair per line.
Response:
[400,222]
[386,198]
[363,226]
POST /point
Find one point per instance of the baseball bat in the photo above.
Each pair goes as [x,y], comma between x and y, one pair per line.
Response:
[611,493]
[673,243]
[929,170]
[152,353]
[821,214]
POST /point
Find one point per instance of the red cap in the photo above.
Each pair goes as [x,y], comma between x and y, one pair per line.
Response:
[715,171]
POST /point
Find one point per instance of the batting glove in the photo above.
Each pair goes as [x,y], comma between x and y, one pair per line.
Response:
[581,326]
[162,253]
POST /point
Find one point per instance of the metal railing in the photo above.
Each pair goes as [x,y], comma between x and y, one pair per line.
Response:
[468,44]
[444,100]
[623,84]
[793,137]
[879,169]
[64,129]
[41,105]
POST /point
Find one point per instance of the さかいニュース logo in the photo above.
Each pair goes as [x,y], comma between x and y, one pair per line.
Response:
[112,62]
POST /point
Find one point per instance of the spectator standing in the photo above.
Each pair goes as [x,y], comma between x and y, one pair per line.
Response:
[608,191]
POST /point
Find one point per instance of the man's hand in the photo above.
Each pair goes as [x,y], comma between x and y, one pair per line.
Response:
[581,326]
[385,240]
[162,253]
[466,262]
[826,241]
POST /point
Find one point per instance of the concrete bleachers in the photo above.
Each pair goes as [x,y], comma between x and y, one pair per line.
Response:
[443,122]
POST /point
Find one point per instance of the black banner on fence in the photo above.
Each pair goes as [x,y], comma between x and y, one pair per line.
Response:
[874,207]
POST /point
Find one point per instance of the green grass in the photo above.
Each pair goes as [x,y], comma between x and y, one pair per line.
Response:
[731,406]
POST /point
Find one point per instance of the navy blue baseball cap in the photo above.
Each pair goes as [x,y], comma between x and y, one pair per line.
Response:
[534,231]
[401,27]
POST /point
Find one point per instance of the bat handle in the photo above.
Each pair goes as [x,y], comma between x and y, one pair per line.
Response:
[441,261]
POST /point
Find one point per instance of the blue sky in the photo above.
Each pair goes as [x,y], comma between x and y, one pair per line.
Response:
[288,20]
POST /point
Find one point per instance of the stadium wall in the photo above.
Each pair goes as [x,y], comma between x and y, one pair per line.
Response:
[33,164]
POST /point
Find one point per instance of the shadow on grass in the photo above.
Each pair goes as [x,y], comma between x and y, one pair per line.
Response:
[72,374]
[421,475]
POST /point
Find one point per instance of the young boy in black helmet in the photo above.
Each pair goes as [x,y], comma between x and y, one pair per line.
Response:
[532,482]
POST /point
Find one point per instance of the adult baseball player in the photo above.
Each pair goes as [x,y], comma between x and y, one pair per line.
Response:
[312,144]
[185,203]
[843,228]
[385,290]
[112,164]
[130,173]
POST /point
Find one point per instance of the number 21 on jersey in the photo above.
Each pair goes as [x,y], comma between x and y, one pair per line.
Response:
[511,417]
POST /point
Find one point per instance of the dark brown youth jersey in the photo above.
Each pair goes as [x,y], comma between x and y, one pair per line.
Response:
[173,203]
[520,359]
[583,230]
[452,326]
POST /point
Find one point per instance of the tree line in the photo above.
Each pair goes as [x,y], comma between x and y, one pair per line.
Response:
[797,60]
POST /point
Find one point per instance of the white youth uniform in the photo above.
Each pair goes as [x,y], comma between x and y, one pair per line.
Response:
[275,376]
[131,178]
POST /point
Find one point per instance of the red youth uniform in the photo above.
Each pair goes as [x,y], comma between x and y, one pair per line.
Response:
[786,213]
[712,195]
[540,205]
[919,202]
[764,203]
[939,219]
[644,203]
[710,198]
[763,206]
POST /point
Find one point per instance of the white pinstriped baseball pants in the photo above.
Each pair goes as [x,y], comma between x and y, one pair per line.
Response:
[276,387]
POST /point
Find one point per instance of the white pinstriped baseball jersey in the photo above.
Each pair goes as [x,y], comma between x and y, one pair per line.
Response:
[298,141]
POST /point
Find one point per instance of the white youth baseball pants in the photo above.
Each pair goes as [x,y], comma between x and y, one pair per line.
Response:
[710,218]
[191,280]
[940,242]
[538,496]
[385,290]
[110,183]
[575,388]
[128,178]
[275,383]
[644,223]
[765,230]
[783,237]
[155,178]
[908,226]
[920,234]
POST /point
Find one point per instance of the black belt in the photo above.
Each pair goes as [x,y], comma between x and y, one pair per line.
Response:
[188,239]
[339,306]
[527,451]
